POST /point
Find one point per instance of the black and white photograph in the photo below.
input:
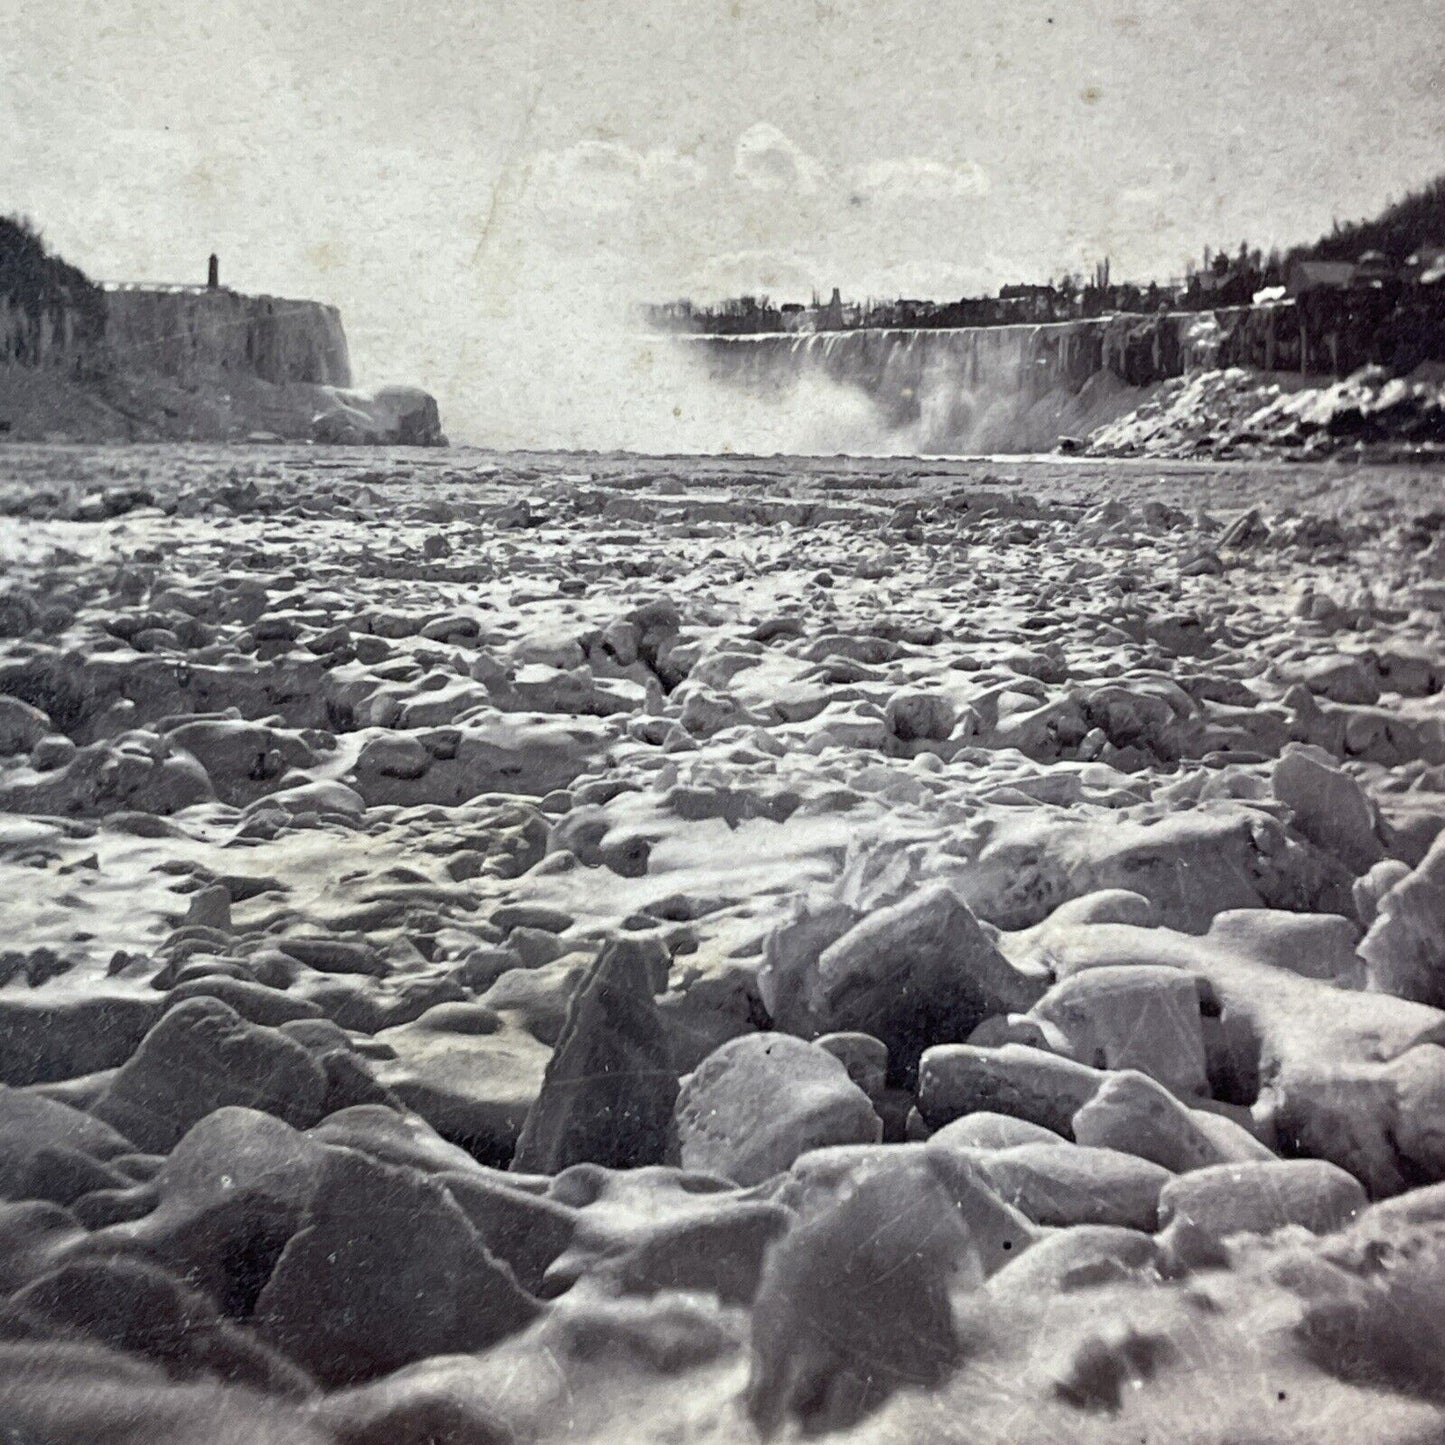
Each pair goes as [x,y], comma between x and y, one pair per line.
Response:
[722,722]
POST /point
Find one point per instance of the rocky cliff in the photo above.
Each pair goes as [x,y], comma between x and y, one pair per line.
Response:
[139,362]
[1020,388]
[51,314]
[197,333]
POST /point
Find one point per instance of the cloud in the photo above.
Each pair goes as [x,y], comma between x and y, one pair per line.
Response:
[767,160]
[936,277]
[668,172]
[916,178]
[781,275]
[597,177]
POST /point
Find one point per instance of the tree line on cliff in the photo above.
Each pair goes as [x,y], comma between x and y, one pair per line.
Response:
[1398,232]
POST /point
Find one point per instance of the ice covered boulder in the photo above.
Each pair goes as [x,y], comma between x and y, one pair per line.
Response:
[1134,1113]
[470,1073]
[757,1103]
[201,1056]
[915,973]
[854,1304]
[1133,1018]
[1329,807]
[1404,951]
[221,1207]
[385,1270]
[1076,1184]
[391,416]
[1258,1198]
[1025,1083]
[608,1091]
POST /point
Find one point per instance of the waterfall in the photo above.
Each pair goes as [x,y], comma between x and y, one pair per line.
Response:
[995,388]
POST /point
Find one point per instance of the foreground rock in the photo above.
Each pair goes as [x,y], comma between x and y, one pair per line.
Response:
[384,1271]
[608,1093]
[200,1057]
[757,1103]
[855,1304]
[914,974]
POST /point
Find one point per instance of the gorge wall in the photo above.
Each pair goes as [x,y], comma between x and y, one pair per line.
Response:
[136,362]
[1020,388]
[59,332]
[191,334]
[196,333]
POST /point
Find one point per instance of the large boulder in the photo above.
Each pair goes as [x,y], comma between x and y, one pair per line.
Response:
[823,1178]
[223,1205]
[201,1056]
[1404,951]
[1133,1113]
[854,1304]
[38,1136]
[1190,864]
[608,1091]
[1315,945]
[1258,1198]
[470,1073]
[757,1103]
[1133,1018]
[1076,1184]
[385,1271]
[913,974]
[1329,807]
[1022,1082]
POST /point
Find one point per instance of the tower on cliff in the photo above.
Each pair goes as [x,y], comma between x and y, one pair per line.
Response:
[213,273]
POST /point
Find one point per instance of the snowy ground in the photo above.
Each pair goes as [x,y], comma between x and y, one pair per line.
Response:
[372,822]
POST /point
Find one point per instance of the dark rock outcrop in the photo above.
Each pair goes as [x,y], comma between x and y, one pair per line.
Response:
[386,1270]
[201,1056]
[608,1092]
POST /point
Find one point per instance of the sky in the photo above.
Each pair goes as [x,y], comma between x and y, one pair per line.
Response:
[484,188]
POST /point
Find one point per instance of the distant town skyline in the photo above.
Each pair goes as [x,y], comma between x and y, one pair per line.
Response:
[456,176]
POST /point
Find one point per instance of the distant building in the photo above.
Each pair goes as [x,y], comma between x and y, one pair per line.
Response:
[830,317]
[1307,276]
[1029,302]
[1374,268]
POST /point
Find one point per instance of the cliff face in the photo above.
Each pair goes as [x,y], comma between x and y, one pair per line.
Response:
[181,362]
[55,335]
[196,335]
[51,314]
[1018,388]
